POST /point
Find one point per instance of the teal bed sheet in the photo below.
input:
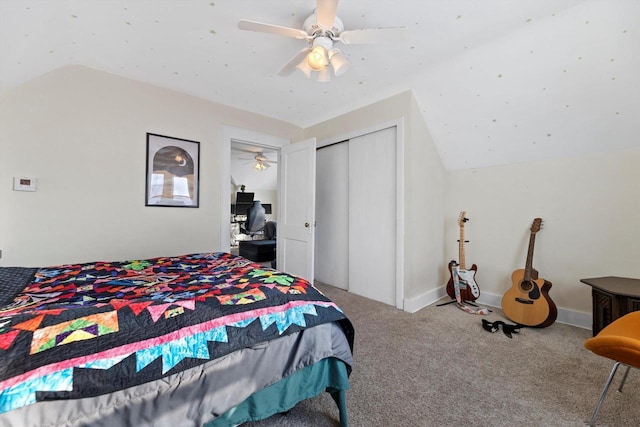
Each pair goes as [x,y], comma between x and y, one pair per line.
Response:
[328,374]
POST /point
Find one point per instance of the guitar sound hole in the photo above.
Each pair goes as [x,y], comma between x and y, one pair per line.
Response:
[526,286]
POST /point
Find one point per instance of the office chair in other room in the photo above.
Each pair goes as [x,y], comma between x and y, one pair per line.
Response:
[256,219]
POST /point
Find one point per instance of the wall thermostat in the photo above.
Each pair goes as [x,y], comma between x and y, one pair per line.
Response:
[24,184]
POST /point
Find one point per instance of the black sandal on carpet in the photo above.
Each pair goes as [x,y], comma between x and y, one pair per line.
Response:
[507,329]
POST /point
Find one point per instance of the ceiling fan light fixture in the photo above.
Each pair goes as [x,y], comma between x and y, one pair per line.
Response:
[259,166]
[339,62]
[317,58]
[324,75]
[304,67]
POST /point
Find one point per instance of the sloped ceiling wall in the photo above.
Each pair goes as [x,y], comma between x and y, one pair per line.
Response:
[565,85]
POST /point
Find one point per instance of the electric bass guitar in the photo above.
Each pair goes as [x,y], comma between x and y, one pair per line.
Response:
[469,291]
[528,302]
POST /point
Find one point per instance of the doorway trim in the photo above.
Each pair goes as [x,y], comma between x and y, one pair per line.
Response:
[230,134]
[399,125]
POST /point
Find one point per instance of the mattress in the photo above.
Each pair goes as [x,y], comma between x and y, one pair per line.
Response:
[196,396]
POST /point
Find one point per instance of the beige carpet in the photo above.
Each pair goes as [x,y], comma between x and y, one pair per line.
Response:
[438,367]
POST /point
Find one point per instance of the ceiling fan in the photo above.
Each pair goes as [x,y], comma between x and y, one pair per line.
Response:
[322,29]
[262,162]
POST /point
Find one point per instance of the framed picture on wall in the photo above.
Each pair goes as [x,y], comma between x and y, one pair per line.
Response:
[173,168]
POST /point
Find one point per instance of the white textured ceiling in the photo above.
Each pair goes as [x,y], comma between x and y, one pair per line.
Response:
[498,81]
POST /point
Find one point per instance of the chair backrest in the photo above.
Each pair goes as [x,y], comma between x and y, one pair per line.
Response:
[270,230]
[256,218]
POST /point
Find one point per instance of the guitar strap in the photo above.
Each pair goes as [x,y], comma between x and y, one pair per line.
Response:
[456,288]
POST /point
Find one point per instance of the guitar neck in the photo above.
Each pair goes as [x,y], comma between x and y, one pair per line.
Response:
[529,265]
[461,259]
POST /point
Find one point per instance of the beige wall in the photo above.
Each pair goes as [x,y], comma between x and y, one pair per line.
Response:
[425,192]
[82,134]
[424,186]
[589,206]
[392,108]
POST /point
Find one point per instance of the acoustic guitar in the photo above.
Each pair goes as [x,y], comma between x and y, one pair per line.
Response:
[470,291]
[528,302]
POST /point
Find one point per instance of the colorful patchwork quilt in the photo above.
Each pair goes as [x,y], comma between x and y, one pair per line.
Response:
[86,329]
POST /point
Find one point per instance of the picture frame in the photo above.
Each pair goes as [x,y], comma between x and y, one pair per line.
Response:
[172,172]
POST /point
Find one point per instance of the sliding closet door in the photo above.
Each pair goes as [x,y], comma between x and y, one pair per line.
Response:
[372,215]
[332,210]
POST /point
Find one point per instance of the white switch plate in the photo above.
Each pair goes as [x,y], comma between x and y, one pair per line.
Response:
[24,183]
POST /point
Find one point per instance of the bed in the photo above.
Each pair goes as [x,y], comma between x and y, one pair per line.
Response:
[208,339]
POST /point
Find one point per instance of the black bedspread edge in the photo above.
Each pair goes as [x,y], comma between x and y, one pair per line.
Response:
[13,280]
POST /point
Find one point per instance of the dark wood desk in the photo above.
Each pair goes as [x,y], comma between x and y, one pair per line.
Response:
[613,297]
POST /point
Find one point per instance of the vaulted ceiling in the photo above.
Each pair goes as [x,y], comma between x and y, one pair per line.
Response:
[497,81]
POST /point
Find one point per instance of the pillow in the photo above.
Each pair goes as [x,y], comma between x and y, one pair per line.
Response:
[12,281]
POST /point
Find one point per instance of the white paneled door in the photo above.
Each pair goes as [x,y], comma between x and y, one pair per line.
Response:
[296,217]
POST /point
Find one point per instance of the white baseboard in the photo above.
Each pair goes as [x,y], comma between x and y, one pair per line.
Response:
[565,315]
[414,304]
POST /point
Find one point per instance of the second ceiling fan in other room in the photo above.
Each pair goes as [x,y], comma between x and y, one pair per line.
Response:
[261,162]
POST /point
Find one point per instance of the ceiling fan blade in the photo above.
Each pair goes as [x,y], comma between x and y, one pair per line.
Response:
[261,27]
[326,12]
[291,65]
[244,150]
[263,158]
[373,35]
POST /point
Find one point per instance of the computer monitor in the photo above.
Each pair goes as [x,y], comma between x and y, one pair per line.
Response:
[242,197]
[241,208]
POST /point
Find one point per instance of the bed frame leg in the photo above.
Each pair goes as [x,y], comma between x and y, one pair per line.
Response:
[340,398]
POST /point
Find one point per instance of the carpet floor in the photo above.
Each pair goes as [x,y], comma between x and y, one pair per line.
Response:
[439,367]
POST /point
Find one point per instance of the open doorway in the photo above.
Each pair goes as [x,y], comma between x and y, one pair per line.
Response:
[295,200]
[254,179]
[238,137]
